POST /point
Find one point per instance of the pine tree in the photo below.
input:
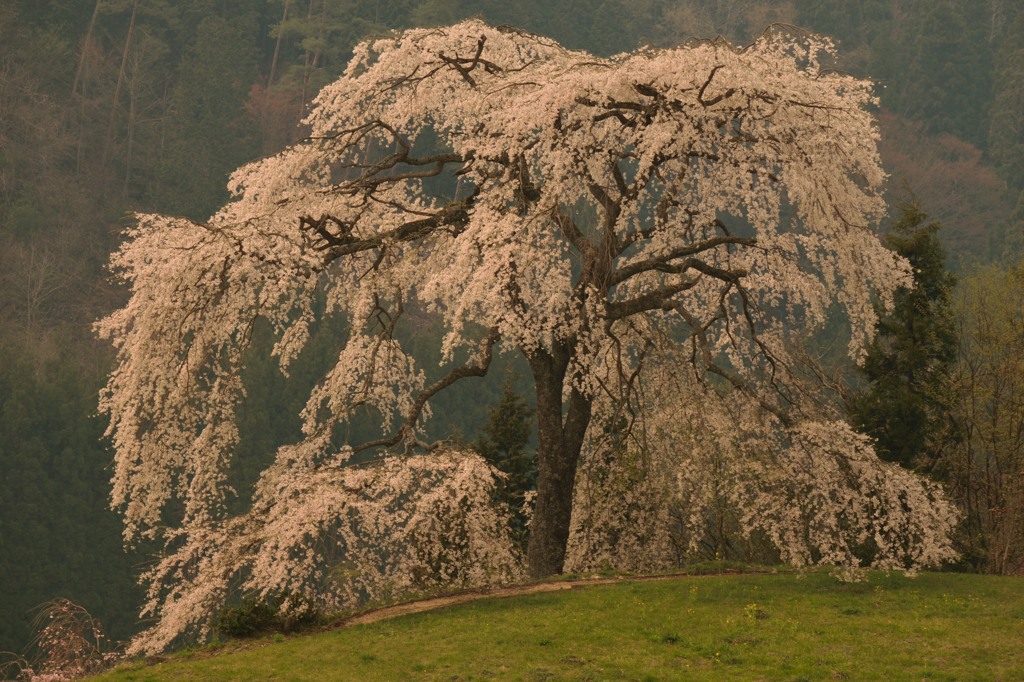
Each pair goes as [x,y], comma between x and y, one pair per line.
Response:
[908,365]
[503,443]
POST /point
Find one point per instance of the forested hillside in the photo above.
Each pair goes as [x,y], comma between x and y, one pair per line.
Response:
[108,107]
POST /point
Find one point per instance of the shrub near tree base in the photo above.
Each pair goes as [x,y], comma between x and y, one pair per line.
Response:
[249,617]
[538,200]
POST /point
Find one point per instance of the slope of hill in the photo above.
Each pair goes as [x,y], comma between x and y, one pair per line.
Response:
[738,627]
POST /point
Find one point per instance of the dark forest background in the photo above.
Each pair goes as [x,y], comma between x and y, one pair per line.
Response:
[113,106]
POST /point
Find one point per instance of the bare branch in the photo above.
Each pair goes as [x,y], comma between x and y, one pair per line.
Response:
[664,263]
[475,367]
[714,100]
[656,299]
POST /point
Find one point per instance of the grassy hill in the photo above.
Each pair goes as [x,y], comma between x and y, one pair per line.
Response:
[938,626]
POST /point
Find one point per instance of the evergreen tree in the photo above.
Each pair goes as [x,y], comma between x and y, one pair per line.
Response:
[908,365]
[503,444]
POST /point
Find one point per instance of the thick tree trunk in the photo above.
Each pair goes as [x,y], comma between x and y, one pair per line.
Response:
[560,438]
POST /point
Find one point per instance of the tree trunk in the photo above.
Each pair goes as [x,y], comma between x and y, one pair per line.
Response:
[560,438]
[305,66]
[117,88]
[86,42]
[80,81]
[130,143]
[277,53]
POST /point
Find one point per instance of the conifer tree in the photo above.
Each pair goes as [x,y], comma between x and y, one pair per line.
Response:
[503,444]
[908,365]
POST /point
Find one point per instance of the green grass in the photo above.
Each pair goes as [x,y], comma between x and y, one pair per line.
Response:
[737,627]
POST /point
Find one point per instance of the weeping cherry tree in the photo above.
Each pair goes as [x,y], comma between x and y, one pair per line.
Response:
[577,210]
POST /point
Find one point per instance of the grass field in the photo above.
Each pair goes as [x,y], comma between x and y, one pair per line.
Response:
[734,627]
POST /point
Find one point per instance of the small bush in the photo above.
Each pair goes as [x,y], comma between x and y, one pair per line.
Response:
[250,617]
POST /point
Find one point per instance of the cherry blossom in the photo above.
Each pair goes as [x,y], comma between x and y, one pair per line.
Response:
[536,200]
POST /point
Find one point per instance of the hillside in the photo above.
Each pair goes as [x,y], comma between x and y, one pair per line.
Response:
[738,627]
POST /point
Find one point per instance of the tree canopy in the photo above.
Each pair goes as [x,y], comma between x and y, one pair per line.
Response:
[584,212]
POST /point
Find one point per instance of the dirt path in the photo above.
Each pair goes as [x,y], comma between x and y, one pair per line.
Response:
[433,603]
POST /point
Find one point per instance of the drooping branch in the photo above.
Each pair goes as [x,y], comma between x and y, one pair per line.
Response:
[528,192]
[476,366]
[698,333]
[571,231]
[612,210]
[628,379]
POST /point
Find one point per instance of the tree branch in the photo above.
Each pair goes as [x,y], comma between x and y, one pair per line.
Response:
[664,263]
[571,230]
[475,367]
[714,100]
[660,298]
[699,334]
[455,214]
